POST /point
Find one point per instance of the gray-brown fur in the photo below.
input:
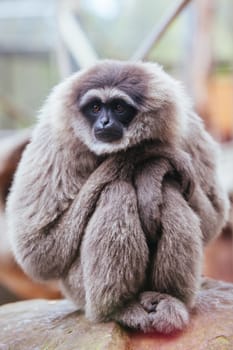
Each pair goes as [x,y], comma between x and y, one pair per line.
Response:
[122,225]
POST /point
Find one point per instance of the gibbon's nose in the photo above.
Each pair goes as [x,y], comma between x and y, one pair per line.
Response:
[104,121]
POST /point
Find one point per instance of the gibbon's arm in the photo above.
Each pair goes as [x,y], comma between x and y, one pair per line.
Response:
[209,199]
[149,178]
[177,263]
[211,208]
[46,212]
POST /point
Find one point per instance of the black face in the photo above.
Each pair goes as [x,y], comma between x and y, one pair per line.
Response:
[109,119]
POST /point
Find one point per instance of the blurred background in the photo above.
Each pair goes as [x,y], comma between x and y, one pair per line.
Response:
[43,41]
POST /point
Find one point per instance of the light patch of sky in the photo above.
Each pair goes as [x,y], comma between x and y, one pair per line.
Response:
[108,9]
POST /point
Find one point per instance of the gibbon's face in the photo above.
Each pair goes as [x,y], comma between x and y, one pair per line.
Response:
[115,105]
[108,118]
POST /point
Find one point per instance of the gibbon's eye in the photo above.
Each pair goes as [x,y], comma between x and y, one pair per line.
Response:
[95,107]
[122,111]
[92,110]
[119,108]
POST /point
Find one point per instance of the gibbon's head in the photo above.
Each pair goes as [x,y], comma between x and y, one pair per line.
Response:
[116,105]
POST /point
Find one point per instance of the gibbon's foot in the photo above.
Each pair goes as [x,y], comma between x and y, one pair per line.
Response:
[134,316]
[167,314]
[154,311]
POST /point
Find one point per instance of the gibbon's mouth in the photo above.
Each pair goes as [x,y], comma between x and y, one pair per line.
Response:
[107,135]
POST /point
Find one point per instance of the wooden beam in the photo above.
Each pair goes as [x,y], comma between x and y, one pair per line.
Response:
[75,39]
[158,30]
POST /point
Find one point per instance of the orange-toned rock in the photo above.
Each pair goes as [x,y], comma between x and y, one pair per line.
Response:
[210,331]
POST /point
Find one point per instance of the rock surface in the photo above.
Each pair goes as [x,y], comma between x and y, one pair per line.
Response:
[50,325]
